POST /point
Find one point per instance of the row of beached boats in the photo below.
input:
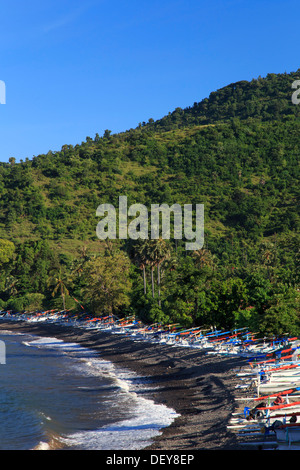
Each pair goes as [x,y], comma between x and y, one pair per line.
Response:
[268,384]
[269,390]
[237,342]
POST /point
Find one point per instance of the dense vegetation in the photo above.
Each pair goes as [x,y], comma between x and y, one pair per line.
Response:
[237,152]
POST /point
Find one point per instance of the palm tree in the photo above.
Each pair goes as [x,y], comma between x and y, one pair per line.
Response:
[268,256]
[203,258]
[79,263]
[150,260]
[157,252]
[162,254]
[59,285]
[140,258]
[10,285]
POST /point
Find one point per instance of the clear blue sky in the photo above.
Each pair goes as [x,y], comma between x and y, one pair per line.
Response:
[75,68]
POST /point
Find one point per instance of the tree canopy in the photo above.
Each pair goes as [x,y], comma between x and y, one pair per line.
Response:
[236,152]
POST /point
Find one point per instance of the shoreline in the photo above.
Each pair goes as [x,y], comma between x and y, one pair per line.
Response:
[199,387]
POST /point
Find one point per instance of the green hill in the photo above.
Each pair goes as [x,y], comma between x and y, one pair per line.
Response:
[236,152]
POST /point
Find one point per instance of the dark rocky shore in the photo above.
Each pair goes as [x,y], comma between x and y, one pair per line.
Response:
[199,387]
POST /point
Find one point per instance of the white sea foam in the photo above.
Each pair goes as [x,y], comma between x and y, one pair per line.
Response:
[131,434]
[42,446]
[11,333]
[134,433]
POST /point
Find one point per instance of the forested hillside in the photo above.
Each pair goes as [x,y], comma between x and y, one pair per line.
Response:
[236,152]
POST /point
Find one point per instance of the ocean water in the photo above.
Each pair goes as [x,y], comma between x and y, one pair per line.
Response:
[56,395]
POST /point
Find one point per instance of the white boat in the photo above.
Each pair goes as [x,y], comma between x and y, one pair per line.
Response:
[288,433]
[269,383]
[275,386]
[265,420]
[284,368]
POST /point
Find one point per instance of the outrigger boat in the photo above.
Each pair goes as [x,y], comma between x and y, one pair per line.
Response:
[276,377]
[288,433]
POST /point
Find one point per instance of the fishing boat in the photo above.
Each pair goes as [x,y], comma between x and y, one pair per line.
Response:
[281,367]
[290,392]
[275,379]
[288,433]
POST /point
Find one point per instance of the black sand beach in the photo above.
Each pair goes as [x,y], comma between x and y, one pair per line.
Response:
[197,386]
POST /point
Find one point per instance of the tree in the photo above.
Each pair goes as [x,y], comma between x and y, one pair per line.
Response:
[161,254]
[10,285]
[155,252]
[7,250]
[232,297]
[108,283]
[33,301]
[140,258]
[282,314]
[204,258]
[58,280]
[106,134]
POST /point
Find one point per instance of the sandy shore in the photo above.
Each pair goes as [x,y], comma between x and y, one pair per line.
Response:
[198,386]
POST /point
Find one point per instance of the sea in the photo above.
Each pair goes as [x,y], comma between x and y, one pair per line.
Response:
[57,395]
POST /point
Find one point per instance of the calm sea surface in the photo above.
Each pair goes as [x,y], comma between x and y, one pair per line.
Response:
[60,395]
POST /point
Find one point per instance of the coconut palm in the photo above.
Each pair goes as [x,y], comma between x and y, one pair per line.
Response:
[140,258]
[203,258]
[162,254]
[78,264]
[157,252]
[59,286]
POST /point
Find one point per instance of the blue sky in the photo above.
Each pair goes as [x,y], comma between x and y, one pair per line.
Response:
[73,69]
